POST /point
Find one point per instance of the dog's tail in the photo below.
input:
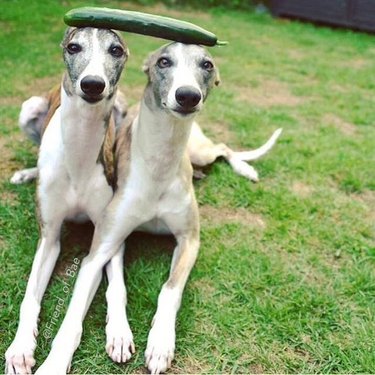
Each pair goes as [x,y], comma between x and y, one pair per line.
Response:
[238,159]
[262,150]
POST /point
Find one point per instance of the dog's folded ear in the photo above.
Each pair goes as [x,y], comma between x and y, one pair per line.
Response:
[217,77]
[69,33]
[146,64]
[121,40]
[151,60]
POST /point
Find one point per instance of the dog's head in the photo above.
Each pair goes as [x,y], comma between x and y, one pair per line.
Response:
[180,77]
[94,59]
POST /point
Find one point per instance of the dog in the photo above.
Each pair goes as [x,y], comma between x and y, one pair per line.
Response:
[154,193]
[75,167]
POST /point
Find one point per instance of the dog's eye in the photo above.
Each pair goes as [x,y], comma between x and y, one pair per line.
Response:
[73,48]
[163,62]
[116,51]
[207,65]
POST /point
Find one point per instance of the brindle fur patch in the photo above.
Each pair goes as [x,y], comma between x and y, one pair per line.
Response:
[123,144]
[54,102]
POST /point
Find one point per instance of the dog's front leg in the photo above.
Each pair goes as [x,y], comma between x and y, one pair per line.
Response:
[119,344]
[161,340]
[20,354]
[68,337]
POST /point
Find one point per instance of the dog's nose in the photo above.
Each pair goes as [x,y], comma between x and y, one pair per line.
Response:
[188,96]
[92,85]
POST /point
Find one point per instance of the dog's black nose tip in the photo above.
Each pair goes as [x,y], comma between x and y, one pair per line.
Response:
[92,85]
[188,96]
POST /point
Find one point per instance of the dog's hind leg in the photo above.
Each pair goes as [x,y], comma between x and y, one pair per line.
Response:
[24,175]
[119,344]
[20,354]
[31,119]
[202,152]
[32,115]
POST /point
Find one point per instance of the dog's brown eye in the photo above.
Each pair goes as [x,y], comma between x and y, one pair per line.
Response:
[163,62]
[116,51]
[73,48]
[207,65]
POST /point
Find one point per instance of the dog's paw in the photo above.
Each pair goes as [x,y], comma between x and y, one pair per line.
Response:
[160,349]
[23,176]
[52,367]
[244,169]
[120,345]
[19,358]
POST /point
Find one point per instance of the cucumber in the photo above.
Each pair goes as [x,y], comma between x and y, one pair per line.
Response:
[141,23]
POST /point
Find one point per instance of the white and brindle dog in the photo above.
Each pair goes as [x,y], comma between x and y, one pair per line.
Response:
[153,192]
[75,169]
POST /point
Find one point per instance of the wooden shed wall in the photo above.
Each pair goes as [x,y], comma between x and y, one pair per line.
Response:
[359,14]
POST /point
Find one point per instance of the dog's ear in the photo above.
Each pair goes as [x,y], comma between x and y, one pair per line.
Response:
[152,59]
[121,40]
[147,64]
[217,76]
[69,32]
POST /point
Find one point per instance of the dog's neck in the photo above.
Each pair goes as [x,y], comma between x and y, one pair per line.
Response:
[84,127]
[160,139]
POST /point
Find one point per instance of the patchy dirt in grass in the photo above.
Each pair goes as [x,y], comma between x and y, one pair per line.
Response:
[133,94]
[40,86]
[190,365]
[204,286]
[367,198]
[8,197]
[256,369]
[163,9]
[301,189]
[8,165]
[269,93]
[296,55]
[218,132]
[344,127]
[297,354]
[9,101]
[217,216]
[356,63]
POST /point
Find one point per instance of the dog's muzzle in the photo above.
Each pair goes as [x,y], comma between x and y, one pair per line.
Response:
[188,98]
[92,87]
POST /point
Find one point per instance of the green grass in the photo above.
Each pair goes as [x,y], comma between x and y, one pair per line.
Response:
[285,279]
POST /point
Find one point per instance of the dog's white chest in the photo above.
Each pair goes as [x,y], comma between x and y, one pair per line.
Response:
[84,190]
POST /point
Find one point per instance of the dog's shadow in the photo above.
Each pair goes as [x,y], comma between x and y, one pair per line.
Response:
[76,241]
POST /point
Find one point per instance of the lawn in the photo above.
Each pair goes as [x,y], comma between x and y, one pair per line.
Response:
[285,280]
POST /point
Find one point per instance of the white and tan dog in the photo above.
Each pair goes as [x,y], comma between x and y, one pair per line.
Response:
[154,192]
[75,167]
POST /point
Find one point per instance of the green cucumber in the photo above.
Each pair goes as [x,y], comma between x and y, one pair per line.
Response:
[141,23]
